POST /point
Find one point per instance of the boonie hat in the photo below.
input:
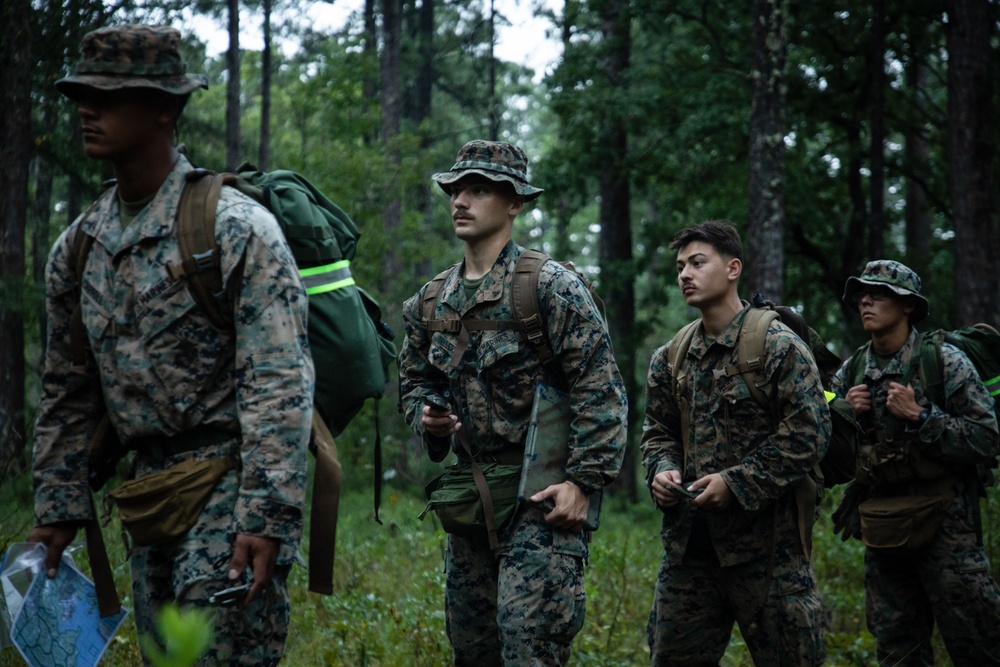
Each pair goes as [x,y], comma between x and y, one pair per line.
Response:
[897,277]
[131,56]
[497,161]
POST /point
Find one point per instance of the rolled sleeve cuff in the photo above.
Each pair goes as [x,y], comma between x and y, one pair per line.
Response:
[62,502]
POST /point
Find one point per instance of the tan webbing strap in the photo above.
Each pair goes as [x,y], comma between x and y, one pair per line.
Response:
[196,240]
[675,359]
[524,302]
[100,567]
[484,491]
[79,250]
[323,513]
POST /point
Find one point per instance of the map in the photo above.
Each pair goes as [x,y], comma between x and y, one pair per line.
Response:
[58,623]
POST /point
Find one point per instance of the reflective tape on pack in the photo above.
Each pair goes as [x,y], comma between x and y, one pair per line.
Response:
[326,278]
[993,386]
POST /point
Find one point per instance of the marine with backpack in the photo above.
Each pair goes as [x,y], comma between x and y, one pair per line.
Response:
[930,427]
[469,369]
[730,472]
[350,345]
[194,401]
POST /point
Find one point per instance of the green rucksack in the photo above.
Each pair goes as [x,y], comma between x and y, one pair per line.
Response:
[351,346]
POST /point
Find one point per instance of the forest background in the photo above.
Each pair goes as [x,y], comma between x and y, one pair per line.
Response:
[829,133]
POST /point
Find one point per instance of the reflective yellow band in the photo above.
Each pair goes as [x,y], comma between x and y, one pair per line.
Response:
[993,386]
[829,396]
[320,279]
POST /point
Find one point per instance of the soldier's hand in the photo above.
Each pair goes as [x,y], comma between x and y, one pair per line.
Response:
[902,402]
[569,505]
[716,495]
[439,422]
[56,537]
[859,397]
[660,488]
[261,553]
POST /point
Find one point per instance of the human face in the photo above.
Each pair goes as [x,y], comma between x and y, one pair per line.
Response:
[482,209]
[117,125]
[883,311]
[705,277]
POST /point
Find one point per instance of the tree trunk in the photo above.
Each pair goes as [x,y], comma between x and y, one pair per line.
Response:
[264,152]
[390,126]
[876,116]
[972,177]
[233,88]
[917,155]
[40,228]
[766,258]
[15,156]
[617,273]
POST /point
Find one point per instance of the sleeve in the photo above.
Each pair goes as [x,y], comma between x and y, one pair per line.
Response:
[964,429]
[662,444]
[582,345]
[274,377]
[70,404]
[802,431]
[418,377]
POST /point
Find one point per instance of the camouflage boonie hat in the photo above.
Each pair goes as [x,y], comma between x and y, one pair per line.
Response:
[897,277]
[131,56]
[497,161]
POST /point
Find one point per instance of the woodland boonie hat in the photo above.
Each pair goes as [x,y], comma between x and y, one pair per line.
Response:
[131,56]
[497,161]
[897,277]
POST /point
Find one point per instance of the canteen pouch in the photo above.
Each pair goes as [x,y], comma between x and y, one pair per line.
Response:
[453,495]
[901,523]
[163,506]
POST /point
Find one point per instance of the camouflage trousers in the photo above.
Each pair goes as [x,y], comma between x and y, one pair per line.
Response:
[947,582]
[521,606]
[697,602]
[187,572]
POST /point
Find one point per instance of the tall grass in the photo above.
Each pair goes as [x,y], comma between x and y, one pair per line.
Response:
[387,609]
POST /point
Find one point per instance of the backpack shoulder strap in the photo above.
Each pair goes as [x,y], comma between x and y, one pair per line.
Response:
[750,351]
[196,239]
[79,249]
[429,304]
[524,302]
[678,379]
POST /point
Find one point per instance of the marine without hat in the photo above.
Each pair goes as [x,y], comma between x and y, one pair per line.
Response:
[897,277]
[497,161]
[131,56]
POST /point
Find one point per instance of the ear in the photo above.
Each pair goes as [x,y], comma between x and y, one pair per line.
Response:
[909,305]
[734,268]
[167,109]
[516,206]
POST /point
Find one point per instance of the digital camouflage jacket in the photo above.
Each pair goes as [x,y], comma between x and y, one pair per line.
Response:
[760,452]
[161,368]
[493,385]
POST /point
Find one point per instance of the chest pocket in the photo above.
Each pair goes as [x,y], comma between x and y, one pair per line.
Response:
[184,349]
[496,348]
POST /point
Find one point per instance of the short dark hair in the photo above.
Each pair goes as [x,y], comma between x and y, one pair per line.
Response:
[720,234]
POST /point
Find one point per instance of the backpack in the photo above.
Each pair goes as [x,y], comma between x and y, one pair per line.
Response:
[837,464]
[980,343]
[351,346]
[527,317]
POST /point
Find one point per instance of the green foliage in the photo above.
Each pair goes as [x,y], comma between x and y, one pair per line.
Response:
[186,635]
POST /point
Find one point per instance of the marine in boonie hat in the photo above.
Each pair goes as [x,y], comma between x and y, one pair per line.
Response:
[897,277]
[131,56]
[497,161]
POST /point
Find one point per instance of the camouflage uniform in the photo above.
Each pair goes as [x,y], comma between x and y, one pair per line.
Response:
[744,562]
[948,581]
[165,374]
[524,603]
